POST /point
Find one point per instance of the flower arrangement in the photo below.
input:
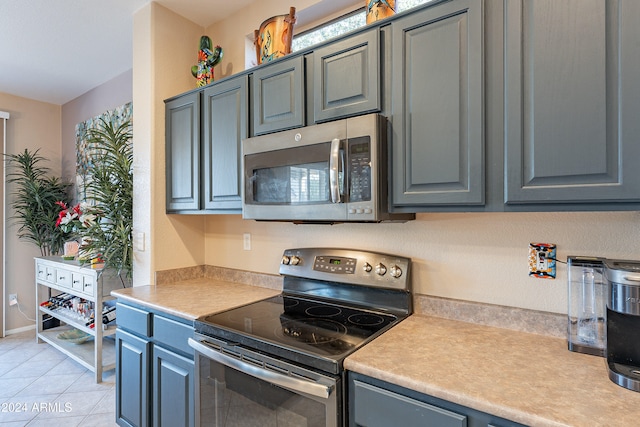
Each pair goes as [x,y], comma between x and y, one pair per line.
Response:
[80,221]
[76,218]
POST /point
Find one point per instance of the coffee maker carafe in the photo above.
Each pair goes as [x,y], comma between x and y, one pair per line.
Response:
[623,322]
[587,305]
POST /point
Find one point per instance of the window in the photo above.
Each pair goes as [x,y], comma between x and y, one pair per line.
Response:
[343,25]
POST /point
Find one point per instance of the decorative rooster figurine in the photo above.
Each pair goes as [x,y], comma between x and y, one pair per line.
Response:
[207,59]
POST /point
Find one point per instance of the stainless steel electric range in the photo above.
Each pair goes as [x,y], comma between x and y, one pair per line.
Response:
[279,361]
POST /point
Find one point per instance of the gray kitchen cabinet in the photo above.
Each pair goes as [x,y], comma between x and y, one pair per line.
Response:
[132,380]
[173,389]
[437,106]
[154,369]
[375,403]
[572,101]
[336,80]
[278,96]
[225,125]
[204,130]
[182,151]
[346,78]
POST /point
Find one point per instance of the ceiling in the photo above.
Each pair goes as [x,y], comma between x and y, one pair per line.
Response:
[55,51]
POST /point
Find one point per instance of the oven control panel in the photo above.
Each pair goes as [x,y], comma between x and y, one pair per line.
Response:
[334,264]
[348,266]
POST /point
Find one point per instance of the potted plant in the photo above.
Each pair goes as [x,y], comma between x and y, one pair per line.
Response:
[110,195]
[34,201]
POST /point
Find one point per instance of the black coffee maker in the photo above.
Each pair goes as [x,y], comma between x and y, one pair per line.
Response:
[623,322]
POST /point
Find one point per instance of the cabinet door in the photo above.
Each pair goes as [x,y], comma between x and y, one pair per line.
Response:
[182,121]
[572,100]
[132,380]
[278,96]
[347,77]
[437,106]
[173,389]
[225,126]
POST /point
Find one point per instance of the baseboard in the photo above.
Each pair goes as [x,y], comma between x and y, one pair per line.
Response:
[19,330]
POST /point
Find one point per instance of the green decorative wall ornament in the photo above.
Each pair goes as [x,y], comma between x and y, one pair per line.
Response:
[207,59]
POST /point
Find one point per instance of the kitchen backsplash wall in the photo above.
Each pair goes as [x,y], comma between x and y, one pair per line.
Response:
[479,257]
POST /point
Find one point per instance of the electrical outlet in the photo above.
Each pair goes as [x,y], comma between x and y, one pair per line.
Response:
[13,299]
[246,241]
[542,260]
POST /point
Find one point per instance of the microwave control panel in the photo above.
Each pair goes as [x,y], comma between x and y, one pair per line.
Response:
[360,169]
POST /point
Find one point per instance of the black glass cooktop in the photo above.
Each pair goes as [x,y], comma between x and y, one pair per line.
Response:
[297,328]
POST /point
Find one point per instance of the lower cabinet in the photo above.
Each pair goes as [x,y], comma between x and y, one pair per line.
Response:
[172,389]
[375,403]
[154,370]
[132,379]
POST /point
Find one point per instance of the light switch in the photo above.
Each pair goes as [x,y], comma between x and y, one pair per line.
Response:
[140,241]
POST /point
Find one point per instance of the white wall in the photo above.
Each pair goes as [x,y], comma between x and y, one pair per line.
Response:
[165,47]
[479,257]
[32,125]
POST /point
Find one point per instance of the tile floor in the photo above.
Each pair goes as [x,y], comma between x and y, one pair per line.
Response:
[39,386]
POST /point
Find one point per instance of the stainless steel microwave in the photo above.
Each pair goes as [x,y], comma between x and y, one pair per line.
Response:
[326,173]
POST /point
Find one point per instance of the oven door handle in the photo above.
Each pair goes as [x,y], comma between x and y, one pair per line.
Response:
[282,380]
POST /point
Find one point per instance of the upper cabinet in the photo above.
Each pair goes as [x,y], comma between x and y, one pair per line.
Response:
[515,105]
[225,125]
[182,151]
[572,101]
[204,131]
[346,78]
[437,106]
[337,80]
[278,96]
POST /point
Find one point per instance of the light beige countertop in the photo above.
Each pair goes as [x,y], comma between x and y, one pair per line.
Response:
[528,378]
[193,298]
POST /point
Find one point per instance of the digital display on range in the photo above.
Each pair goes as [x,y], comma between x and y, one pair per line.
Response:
[336,265]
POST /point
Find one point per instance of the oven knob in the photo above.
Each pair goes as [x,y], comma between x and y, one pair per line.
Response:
[367,267]
[285,260]
[381,270]
[395,271]
[294,260]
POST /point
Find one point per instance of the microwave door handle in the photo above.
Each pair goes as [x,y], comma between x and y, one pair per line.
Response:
[334,182]
[291,383]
